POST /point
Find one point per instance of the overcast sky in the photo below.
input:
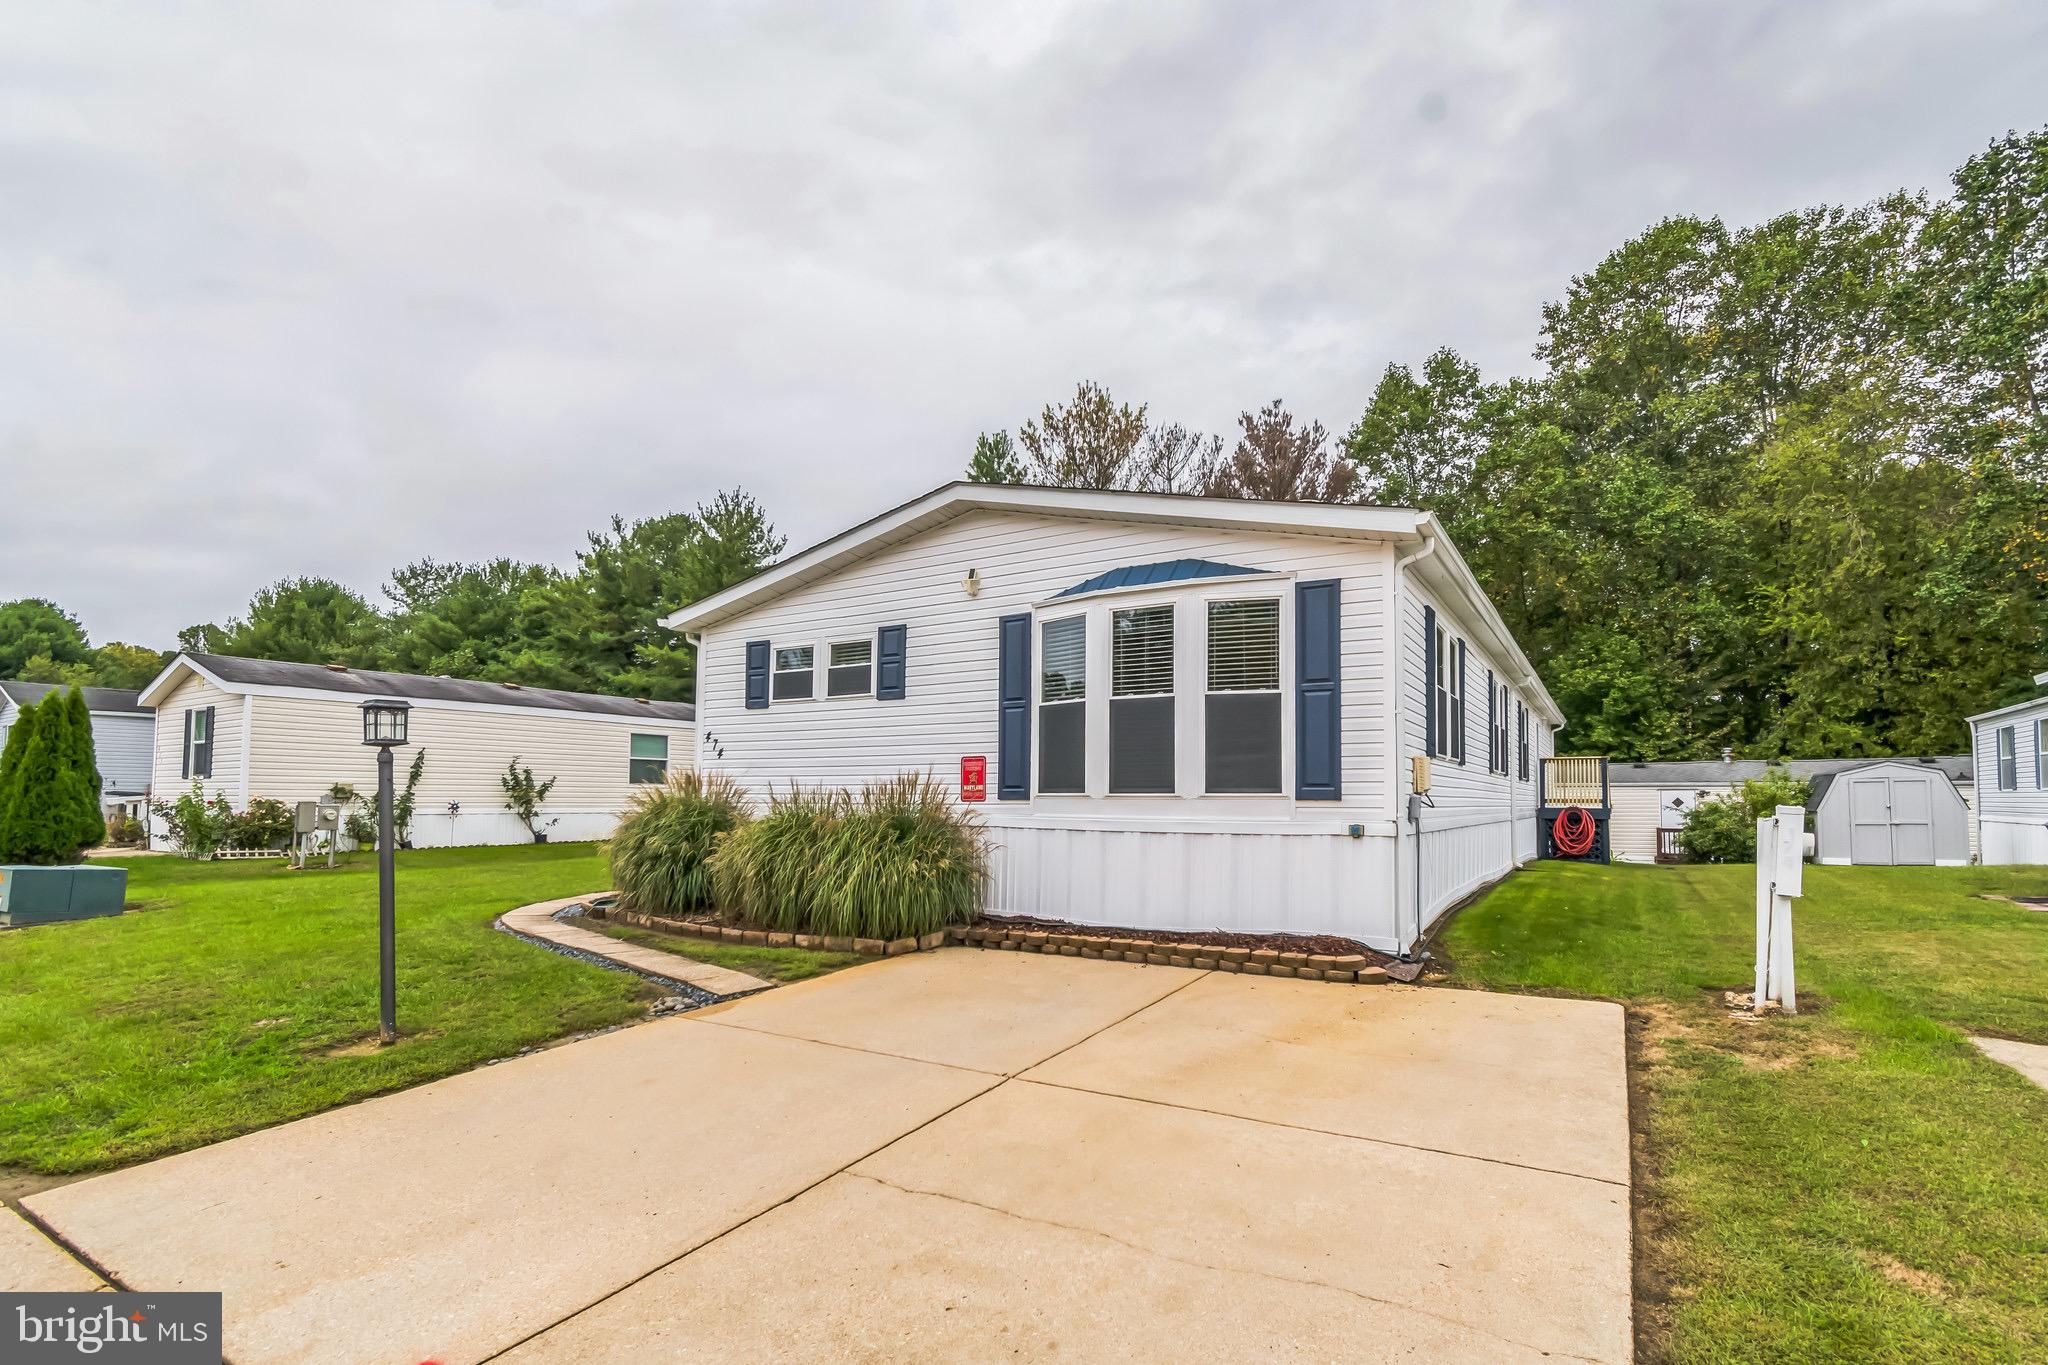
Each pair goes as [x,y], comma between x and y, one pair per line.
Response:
[321,288]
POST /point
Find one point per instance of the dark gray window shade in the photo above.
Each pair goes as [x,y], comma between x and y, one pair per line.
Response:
[849,669]
[1242,755]
[1141,652]
[1062,747]
[1141,745]
[793,672]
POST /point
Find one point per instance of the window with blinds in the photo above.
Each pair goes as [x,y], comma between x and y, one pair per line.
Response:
[1062,706]
[1141,701]
[793,672]
[1241,714]
[849,669]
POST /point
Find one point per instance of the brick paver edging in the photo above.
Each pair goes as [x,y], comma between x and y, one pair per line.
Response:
[1348,967]
[760,938]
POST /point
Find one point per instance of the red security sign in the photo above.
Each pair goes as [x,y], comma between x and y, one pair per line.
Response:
[974,778]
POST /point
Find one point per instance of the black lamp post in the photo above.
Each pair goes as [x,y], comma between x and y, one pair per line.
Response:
[384,730]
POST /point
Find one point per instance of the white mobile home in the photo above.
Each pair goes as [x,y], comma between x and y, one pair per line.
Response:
[1173,712]
[121,729]
[2009,750]
[251,728]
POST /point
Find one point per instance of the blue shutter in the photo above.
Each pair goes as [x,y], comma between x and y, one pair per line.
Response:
[1429,680]
[757,675]
[889,644]
[1013,693]
[1317,693]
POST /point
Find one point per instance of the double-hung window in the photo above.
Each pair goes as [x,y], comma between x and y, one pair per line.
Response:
[1141,735]
[1445,665]
[648,761]
[1241,716]
[199,742]
[850,669]
[1521,742]
[1500,732]
[794,672]
[2041,753]
[1457,689]
[2008,760]
[1063,706]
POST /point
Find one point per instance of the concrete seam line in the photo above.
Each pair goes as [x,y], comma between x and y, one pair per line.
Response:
[840,1170]
[65,1245]
[1198,975]
[735,1227]
[1207,1265]
[1328,1132]
[848,1047]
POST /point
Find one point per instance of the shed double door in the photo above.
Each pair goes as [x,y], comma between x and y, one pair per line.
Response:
[1891,820]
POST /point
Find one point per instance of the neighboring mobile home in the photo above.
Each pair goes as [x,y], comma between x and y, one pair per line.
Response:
[2009,750]
[121,729]
[1173,712]
[1652,800]
[256,728]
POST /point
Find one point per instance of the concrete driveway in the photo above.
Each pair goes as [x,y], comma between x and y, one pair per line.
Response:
[943,1156]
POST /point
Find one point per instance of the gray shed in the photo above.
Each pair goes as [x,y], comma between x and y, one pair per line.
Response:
[1890,812]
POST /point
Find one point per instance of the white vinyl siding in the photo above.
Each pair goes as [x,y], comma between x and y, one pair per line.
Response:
[1023,560]
[166,769]
[2009,813]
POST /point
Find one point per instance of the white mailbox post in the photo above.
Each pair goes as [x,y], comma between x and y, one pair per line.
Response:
[1780,876]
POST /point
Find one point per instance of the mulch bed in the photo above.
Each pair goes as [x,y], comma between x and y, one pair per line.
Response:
[1331,944]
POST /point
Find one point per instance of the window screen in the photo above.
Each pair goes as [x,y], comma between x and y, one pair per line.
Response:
[793,672]
[849,670]
[649,759]
[1062,708]
[1141,701]
[1241,714]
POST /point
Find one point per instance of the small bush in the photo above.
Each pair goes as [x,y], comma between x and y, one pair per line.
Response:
[897,861]
[661,850]
[198,827]
[1724,830]
[265,824]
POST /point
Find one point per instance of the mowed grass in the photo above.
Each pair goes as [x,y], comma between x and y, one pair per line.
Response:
[770,964]
[244,994]
[1855,1183]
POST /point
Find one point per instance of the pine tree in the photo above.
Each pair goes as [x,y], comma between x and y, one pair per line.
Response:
[89,821]
[10,764]
[33,831]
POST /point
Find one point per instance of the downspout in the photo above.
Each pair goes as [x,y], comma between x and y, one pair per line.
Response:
[1395,676]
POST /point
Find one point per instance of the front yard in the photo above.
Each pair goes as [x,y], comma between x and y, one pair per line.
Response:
[243,995]
[1856,1183]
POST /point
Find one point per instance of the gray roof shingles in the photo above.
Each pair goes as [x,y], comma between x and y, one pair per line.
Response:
[365,682]
[103,700]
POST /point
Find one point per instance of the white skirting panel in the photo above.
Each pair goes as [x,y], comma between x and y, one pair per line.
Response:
[1460,859]
[1280,883]
[473,828]
[2014,843]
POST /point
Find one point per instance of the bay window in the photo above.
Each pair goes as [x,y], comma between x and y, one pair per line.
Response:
[1063,706]
[1241,712]
[1141,732]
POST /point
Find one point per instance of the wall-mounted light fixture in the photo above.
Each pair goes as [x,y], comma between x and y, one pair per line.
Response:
[972,583]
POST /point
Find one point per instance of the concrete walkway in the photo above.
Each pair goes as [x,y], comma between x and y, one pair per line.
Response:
[538,921]
[942,1156]
[31,1263]
[2029,1059]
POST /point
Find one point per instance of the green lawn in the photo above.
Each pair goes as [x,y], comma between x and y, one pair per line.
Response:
[770,964]
[1856,1183]
[244,994]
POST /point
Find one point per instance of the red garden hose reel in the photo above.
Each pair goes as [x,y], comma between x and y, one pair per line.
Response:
[1573,832]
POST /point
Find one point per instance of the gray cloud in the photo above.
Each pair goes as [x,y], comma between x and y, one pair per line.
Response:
[306,288]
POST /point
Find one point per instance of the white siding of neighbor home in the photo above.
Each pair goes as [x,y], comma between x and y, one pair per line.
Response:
[1632,824]
[193,694]
[304,745]
[2012,826]
[121,748]
[1480,824]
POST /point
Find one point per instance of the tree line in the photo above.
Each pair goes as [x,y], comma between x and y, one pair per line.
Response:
[1781,487]
[596,628]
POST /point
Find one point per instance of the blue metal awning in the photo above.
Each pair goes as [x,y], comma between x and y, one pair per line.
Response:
[1168,571]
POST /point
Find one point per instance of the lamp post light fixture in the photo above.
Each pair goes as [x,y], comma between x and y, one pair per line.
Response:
[384,729]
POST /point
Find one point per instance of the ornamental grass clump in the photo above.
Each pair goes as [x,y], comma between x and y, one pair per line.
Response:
[660,853]
[896,861]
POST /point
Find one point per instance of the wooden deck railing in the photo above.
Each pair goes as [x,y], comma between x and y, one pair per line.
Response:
[1574,781]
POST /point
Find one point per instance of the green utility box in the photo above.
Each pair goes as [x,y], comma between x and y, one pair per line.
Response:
[40,895]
